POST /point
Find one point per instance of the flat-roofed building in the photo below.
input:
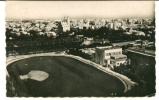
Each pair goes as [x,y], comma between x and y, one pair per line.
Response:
[117,60]
[110,56]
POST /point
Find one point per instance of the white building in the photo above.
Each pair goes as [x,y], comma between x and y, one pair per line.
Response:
[140,33]
[51,34]
[86,23]
[110,56]
[80,24]
[111,25]
[66,24]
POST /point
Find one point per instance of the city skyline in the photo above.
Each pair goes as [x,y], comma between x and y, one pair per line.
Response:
[79,9]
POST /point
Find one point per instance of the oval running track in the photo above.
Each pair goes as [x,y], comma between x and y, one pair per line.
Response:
[68,77]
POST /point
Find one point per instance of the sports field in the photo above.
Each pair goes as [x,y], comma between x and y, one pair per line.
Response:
[68,77]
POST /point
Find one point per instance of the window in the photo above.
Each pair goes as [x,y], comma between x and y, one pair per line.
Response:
[118,64]
[105,61]
[112,57]
[111,62]
[107,54]
[99,56]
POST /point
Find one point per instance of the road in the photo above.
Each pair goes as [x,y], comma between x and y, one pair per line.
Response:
[122,43]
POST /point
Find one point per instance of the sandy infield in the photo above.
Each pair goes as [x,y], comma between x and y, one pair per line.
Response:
[35,75]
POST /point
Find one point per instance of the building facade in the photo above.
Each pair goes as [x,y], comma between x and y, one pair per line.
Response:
[66,24]
[110,56]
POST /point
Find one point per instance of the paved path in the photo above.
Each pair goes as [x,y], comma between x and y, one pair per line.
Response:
[142,53]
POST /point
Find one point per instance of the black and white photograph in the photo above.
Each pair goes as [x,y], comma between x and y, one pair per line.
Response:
[80,49]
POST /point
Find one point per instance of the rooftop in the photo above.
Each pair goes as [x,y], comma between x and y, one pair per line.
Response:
[121,55]
[108,48]
[121,59]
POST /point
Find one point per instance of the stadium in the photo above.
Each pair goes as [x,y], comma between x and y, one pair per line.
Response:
[62,76]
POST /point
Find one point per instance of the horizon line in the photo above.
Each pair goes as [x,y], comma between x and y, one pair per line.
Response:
[76,18]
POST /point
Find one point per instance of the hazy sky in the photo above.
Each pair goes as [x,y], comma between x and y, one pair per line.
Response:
[79,9]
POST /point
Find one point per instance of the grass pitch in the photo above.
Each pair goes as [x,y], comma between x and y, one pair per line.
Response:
[68,77]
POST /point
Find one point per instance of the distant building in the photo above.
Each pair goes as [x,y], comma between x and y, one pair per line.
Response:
[41,33]
[103,22]
[66,24]
[51,34]
[80,24]
[87,41]
[86,23]
[127,33]
[79,36]
[137,43]
[111,25]
[139,33]
[89,51]
[110,56]
[141,43]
